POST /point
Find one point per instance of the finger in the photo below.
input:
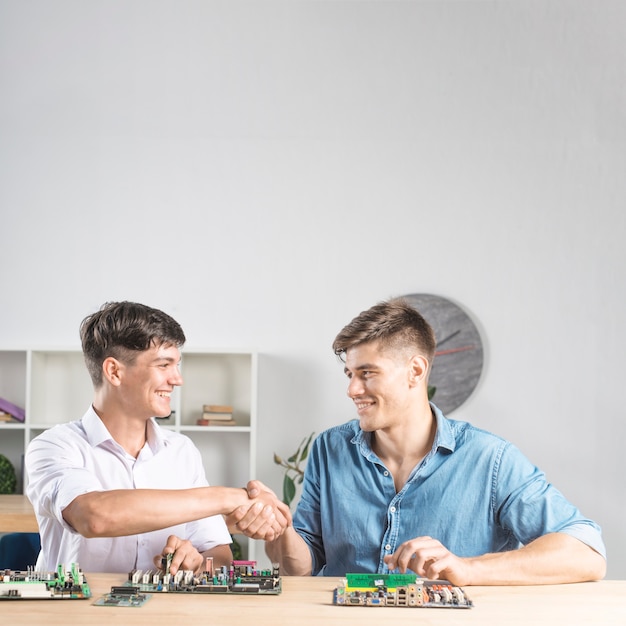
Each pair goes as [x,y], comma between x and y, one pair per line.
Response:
[400,558]
[421,562]
[263,488]
[408,555]
[433,568]
[402,563]
[264,525]
[416,565]
[390,562]
[175,560]
[283,515]
[448,567]
[173,543]
[252,513]
[238,514]
[165,557]
[254,488]
[264,533]
[237,518]
[273,528]
[265,517]
[192,561]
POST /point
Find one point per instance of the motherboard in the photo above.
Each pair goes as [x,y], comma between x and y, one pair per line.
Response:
[62,584]
[404,590]
[242,577]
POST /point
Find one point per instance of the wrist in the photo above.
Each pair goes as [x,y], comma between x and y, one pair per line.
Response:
[232,498]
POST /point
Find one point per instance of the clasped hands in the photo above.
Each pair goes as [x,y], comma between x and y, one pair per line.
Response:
[263,517]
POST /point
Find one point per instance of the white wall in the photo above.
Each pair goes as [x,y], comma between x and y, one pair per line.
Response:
[265,170]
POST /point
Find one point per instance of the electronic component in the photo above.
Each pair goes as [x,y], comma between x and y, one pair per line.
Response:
[241,577]
[407,590]
[32,585]
[124,596]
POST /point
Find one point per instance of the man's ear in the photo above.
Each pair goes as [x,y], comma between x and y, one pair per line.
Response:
[418,369]
[112,371]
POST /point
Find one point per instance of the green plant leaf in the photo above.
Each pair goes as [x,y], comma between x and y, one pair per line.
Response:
[8,480]
[236,549]
[305,449]
[431,392]
[296,457]
[289,490]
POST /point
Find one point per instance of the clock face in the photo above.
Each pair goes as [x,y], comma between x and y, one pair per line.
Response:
[458,359]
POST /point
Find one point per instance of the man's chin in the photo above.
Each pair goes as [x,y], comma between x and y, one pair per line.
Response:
[366,425]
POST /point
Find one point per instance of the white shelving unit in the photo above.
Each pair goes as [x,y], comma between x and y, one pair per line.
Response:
[53,386]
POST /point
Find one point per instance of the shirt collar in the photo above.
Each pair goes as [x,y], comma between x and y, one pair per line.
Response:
[95,430]
[444,437]
[97,433]
[155,436]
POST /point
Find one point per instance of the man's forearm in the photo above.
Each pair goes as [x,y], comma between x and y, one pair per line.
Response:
[123,512]
[551,559]
[291,552]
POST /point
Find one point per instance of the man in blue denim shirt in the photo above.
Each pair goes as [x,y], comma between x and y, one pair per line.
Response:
[404,488]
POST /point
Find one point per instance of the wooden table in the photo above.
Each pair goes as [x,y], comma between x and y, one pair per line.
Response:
[308,601]
[17,515]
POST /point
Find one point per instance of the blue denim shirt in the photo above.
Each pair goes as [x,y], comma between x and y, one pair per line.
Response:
[474,492]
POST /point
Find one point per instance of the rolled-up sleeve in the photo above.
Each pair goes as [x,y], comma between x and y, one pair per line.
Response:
[529,506]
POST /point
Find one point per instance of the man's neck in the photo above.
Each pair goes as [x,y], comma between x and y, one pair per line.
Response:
[404,445]
[128,432]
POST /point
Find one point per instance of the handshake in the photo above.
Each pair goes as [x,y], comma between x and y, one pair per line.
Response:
[263,516]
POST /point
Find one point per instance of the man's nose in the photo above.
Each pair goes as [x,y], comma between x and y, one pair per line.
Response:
[355,387]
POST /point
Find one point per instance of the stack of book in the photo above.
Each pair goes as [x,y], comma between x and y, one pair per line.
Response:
[217,415]
[10,411]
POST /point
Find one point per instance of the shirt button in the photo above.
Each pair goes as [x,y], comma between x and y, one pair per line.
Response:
[392,509]
[388,548]
[386,473]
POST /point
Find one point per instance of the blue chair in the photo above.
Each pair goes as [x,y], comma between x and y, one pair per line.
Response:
[19,550]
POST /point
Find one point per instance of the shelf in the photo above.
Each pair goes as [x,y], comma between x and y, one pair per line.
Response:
[216,378]
[12,426]
[60,387]
[215,429]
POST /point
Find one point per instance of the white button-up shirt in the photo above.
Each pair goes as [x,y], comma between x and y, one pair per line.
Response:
[71,459]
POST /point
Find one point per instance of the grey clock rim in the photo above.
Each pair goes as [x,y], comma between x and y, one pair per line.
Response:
[465,378]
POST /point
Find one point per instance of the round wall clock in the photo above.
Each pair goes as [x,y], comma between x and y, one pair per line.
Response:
[458,360]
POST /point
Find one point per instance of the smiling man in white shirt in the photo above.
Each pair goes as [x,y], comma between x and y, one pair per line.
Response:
[114,491]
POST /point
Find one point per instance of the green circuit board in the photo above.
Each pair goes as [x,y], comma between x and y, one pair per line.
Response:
[61,584]
[241,577]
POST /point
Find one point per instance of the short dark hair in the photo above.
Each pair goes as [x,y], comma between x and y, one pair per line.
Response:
[123,329]
[394,323]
